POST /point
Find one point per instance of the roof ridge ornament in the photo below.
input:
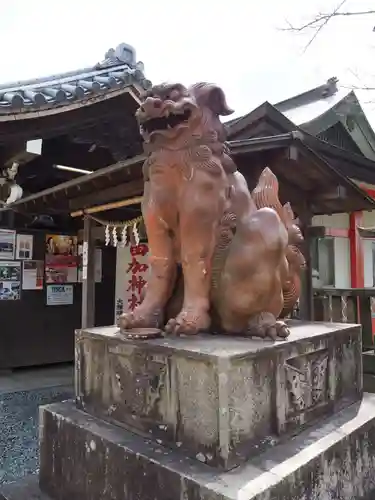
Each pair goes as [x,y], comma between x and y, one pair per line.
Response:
[122,54]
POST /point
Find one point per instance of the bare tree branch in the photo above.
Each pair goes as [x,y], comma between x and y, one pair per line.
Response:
[357,87]
[322,19]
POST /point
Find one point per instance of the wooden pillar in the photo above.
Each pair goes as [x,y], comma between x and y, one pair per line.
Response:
[88,274]
[306,303]
[357,273]
[356,251]
[11,219]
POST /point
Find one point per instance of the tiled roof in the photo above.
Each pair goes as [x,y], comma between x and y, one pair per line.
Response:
[307,106]
[118,70]
[306,112]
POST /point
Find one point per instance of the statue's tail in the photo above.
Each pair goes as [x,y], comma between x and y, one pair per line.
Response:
[266,193]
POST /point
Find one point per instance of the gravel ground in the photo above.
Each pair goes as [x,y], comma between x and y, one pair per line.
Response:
[19,420]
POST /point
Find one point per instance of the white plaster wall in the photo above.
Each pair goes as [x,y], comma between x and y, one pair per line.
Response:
[342,262]
[368,263]
[369,219]
[369,222]
[338,221]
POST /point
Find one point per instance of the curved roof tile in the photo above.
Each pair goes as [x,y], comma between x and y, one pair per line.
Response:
[118,70]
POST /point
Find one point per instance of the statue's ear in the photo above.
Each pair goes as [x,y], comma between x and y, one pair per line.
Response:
[211,96]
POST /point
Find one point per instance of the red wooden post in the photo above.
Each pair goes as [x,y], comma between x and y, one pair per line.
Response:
[356,251]
[356,254]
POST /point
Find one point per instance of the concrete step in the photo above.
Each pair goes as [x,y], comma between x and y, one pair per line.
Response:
[84,458]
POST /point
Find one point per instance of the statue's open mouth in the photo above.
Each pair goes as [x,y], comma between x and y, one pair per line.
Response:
[166,122]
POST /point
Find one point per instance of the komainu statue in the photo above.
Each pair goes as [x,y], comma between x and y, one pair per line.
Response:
[221,258]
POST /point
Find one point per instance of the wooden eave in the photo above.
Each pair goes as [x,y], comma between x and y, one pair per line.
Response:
[134,91]
[349,164]
[124,179]
[57,121]
[349,197]
[265,120]
[112,183]
[257,144]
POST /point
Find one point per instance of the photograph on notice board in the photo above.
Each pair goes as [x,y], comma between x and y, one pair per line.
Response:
[10,276]
[61,264]
[10,290]
[24,246]
[61,270]
[10,271]
[7,244]
[61,244]
[33,275]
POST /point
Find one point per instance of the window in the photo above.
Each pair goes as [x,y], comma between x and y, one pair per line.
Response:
[323,262]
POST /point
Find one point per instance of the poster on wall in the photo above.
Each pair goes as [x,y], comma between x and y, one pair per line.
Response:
[10,280]
[131,277]
[61,262]
[33,275]
[82,266]
[24,246]
[7,244]
[59,295]
[61,245]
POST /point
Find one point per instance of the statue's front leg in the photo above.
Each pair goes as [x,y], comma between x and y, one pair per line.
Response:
[150,313]
[201,209]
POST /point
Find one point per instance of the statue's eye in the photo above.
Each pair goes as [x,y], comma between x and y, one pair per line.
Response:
[175,95]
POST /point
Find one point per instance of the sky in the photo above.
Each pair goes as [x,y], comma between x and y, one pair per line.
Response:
[239,44]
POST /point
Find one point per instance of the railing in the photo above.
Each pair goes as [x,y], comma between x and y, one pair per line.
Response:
[349,305]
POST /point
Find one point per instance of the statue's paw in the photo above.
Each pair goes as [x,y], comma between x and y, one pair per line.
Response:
[282,329]
[188,322]
[139,318]
[266,326]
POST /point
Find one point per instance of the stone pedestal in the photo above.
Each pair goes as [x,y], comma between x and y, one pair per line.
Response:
[166,419]
[220,400]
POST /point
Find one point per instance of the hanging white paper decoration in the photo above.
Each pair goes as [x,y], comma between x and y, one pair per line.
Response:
[114,235]
[107,236]
[136,234]
[124,237]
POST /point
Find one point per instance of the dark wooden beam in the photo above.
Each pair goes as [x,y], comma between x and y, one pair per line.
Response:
[329,193]
[292,153]
[114,193]
[307,293]
[366,233]
[63,151]
[88,274]
[315,232]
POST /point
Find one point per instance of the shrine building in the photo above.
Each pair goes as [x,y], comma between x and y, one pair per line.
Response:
[72,163]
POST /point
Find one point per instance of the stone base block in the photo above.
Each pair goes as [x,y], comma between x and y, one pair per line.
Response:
[84,458]
[219,399]
[24,489]
[369,362]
